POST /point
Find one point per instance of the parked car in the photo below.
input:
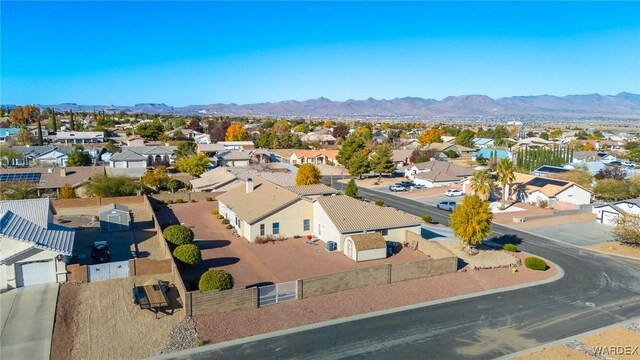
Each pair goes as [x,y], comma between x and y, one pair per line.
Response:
[454,192]
[419,186]
[397,187]
[446,205]
[408,184]
[100,252]
[393,247]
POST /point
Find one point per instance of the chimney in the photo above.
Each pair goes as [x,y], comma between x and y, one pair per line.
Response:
[249,185]
[63,172]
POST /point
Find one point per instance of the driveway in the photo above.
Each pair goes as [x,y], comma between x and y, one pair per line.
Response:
[27,321]
[582,234]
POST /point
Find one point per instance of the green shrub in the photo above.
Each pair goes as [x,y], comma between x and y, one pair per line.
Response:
[510,247]
[225,221]
[188,254]
[379,202]
[215,280]
[199,342]
[215,212]
[229,226]
[178,234]
[427,218]
[219,216]
[169,201]
[535,263]
[193,200]
[209,198]
[179,201]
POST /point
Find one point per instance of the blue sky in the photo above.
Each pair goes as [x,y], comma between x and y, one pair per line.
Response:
[206,52]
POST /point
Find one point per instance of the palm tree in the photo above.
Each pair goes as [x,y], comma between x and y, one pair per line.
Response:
[506,175]
[481,184]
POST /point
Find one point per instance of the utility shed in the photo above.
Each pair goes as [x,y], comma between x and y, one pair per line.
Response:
[114,217]
[362,247]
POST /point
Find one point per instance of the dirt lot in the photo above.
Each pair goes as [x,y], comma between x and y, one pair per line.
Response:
[237,324]
[618,336]
[252,264]
[618,248]
[99,321]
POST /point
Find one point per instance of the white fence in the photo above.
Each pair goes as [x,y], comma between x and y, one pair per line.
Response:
[113,270]
[277,293]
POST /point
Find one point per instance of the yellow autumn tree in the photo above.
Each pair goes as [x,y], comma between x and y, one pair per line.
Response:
[431,136]
[327,124]
[67,192]
[236,132]
[308,174]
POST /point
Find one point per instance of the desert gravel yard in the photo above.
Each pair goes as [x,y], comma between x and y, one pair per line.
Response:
[617,248]
[243,323]
[484,259]
[98,320]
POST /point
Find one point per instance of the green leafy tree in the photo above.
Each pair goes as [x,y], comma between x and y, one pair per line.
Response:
[150,130]
[7,155]
[555,134]
[54,123]
[359,164]
[382,160]
[194,164]
[24,137]
[188,254]
[481,184]
[173,184]
[579,176]
[471,220]
[112,186]
[627,231]
[72,123]
[40,140]
[613,190]
[185,148]
[544,135]
[465,138]
[79,157]
[506,176]
[350,146]
[351,189]
[308,174]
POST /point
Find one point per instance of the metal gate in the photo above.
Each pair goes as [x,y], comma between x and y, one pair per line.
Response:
[113,270]
[277,293]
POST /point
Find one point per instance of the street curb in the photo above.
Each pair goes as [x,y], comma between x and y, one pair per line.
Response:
[570,244]
[566,340]
[558,276]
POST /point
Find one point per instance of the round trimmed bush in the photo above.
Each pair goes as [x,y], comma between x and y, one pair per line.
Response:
[427,218]
[188,254]
[193,200]
[169,201]
[225,221]
[179,201]
[208,198]
[178,234]
[379,202]
[510,247]
[535,263]
[215,280]
[219,216]
[215,212]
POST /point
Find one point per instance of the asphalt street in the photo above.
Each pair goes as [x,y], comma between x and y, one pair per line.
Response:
[597,290]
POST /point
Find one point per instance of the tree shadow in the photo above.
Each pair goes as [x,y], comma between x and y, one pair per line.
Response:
[506,239]
[212,244]
[219,262]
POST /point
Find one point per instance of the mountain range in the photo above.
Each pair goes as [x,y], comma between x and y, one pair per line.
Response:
[621,105]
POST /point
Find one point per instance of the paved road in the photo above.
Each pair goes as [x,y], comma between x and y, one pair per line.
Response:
[597,290]
[28,314]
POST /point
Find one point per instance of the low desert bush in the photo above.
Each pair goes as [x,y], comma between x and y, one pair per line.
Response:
[178,234]
[510,247]
[543,204]
[219,216]
[427,218]
[193,200]
[229,226]
[215,280]
[179,201]
[188,254]
[169,201]
[379,202]
[535,263]
[225,221]
[215,212]
[208,198]
[268,238]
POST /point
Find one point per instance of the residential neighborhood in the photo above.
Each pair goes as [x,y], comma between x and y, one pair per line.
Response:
[319,180]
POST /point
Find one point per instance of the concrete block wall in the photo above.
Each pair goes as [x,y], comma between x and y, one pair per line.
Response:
[223,301]
[346,280]
[423,268]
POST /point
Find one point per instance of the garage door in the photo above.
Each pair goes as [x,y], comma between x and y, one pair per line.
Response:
[34,273]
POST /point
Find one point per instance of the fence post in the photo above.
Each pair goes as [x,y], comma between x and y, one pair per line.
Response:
[300,287]
[255,297]
[389,269]
[132,267]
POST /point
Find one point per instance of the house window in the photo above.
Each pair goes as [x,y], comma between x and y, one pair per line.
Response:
[384,232]
[276,229]
[307,224]
[261,229]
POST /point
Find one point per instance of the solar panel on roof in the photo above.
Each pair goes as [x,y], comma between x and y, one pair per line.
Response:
[20,177]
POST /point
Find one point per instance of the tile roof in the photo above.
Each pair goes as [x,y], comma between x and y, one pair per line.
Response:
[52,237]
[369,241]
[151,150]
[444,167]
[52,178]
[234,155]
[128,155]
[308,190]
[351,215]
[437,176]
[265,199]
[213,179]
[34,210]
[210,147]
[401,155]
[72,135]
[315,153]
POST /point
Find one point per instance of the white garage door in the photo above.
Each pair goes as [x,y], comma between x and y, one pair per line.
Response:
[34,273]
